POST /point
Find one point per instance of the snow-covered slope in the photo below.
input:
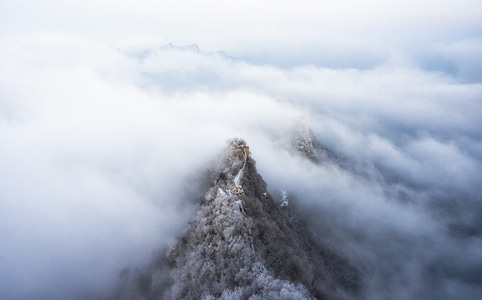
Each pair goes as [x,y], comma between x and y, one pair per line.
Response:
[242,245]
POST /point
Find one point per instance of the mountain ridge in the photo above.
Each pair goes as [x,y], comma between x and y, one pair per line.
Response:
[242,245]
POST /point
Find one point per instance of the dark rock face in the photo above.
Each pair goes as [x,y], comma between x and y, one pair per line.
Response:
[241,245]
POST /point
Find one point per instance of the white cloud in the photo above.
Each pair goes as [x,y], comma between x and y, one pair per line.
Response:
[98,140]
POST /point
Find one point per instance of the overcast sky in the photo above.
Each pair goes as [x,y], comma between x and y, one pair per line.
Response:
[104,130]
[241,27]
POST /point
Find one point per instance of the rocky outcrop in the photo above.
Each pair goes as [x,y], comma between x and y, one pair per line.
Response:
[305,142]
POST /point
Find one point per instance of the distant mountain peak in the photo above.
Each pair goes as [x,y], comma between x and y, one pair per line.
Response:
[191,47]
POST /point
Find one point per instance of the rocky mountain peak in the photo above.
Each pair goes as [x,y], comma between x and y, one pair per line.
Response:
[305,142]
[241,245]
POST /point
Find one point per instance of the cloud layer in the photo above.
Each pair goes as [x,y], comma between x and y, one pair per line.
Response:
[102,141]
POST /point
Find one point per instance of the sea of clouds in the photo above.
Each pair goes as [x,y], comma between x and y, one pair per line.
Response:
[102,144]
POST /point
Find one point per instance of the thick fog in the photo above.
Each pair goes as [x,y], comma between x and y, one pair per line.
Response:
[103,139]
